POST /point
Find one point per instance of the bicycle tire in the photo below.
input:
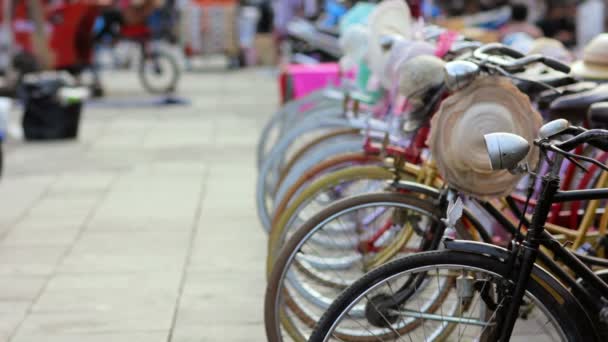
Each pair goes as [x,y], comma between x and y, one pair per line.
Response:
[304,150]
[277,230]
[285,114]
[285,193]
[321,151]
[272,314]
[371,172]
[174,70]
[277,154]
[265,196]
[560,303]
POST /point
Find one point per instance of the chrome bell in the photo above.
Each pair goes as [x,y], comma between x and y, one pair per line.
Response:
[552,128]
[459,74]
[506,150]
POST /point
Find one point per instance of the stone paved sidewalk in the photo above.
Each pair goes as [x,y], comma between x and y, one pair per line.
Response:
[145,228]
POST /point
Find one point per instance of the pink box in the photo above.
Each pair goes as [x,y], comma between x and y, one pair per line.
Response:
[306,78]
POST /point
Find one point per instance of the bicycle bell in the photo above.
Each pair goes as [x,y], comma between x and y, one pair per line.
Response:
[506,150]
[553,128]
[459,74]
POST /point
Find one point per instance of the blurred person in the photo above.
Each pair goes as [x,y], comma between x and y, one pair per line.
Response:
[519,23]
[136,12]
[285,10]
[589,21]
[559,22]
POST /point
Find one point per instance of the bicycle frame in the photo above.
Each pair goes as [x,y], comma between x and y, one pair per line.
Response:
[523,256]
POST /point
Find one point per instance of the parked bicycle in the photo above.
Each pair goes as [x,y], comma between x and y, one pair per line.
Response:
[492,291]
[158,69]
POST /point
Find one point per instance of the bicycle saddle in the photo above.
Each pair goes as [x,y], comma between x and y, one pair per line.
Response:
[535,90]
[598,115]
[575,106]
[331,31]
[545,98]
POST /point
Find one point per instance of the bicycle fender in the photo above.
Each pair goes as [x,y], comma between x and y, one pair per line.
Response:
[476,247]
[544,278]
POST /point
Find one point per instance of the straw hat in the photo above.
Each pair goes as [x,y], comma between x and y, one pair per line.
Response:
[401,52]
[390,18]
[490,104]
[547,47]
[418,75]
[353,43]
[550,47]
[595,59]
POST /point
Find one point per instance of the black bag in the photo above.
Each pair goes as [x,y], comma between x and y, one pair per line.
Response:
[46,117]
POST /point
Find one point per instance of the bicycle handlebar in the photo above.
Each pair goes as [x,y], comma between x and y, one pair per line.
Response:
[485,50]
[595,137]
[556,65]
[519,60]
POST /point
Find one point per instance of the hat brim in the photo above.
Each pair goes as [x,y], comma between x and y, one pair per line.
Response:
[590,71]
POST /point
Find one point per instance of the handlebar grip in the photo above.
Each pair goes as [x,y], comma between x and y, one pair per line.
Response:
[594,137]
[488,49]
[602,144]
[556,65]
[511,52]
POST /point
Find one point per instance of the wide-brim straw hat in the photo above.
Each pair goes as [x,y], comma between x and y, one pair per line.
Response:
[401,52]
[490,104]
[389,18]
[418,75]
[595,60]
[550,47]
[354,45]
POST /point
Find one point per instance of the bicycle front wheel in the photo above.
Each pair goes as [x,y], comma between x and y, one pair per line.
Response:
[159,73]
[395,298]
[336,247]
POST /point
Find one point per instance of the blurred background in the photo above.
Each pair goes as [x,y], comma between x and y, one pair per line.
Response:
[128,131]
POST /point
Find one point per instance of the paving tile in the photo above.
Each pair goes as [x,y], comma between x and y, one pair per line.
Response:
[146,281]
[96,232]
[176,134]
[130,222]
[21,288]
[35,224]
[213,333]
[24,194]
[171,168]
[77,207]
[131,301]
[41,237]
[152,336]
[60,323]
[29,260]
[12,313]
[120,294]
[82,182]
[226,298]
[227,249]
[127,252]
